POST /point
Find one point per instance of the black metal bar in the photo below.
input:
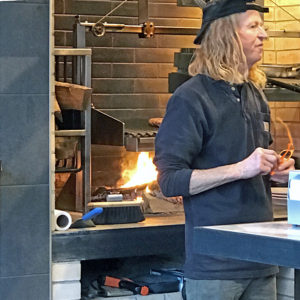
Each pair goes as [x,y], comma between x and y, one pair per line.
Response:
[82,69]
[287,86]
[74,68]
[297,285]
[56,67]
[143,11]
[78,34]
[78,42]
[65,68]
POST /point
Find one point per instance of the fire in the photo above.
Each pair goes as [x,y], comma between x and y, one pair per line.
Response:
[145,171]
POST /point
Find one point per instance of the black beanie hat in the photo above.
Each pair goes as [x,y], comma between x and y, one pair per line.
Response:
[221,8]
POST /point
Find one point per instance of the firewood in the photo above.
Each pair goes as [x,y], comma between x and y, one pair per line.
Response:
[72,96]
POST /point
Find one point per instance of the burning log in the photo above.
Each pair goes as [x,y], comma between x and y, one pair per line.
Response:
[156,202]
[129,193]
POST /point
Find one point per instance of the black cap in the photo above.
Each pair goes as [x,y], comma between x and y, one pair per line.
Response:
[221,8]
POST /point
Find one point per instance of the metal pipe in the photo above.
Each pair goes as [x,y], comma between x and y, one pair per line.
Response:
[140,29]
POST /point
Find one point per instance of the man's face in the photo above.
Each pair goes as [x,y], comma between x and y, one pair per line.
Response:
[252,35]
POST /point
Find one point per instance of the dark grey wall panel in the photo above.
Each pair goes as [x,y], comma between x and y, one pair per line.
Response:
[25,288]
[24,239]
[24,150]
[24,54]
[24,136]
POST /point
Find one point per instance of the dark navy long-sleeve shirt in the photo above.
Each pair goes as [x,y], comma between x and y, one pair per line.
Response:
[210,123]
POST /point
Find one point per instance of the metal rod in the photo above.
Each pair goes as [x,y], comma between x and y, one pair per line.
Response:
[110,27]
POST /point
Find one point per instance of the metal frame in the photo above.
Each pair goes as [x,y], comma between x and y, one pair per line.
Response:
[81,74]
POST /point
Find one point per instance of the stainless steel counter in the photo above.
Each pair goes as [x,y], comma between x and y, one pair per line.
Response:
[276,243]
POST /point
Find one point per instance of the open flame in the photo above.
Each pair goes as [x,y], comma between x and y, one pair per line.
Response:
[145,171]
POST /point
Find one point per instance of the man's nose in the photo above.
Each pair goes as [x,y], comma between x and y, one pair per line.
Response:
[262,32]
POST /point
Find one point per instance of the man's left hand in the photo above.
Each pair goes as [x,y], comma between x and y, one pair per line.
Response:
[281,173]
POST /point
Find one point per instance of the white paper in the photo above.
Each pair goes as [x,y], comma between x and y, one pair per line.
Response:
[294,190]
[62,219]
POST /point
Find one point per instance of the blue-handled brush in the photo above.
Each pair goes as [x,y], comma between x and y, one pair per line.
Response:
[92,213]
[86,221]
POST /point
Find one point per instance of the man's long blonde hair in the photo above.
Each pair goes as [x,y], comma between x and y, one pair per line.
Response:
[221,55]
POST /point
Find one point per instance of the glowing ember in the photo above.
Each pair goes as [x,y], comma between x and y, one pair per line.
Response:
[139,198]
[145,171]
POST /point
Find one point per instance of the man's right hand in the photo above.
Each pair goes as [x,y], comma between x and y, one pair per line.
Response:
[259,162]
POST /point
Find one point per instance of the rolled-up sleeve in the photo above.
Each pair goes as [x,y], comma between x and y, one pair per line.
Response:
[177,144]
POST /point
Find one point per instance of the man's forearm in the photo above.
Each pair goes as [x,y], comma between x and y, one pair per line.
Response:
[259,162]
[202,180]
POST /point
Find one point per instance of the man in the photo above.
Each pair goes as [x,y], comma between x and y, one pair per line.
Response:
[212,148]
